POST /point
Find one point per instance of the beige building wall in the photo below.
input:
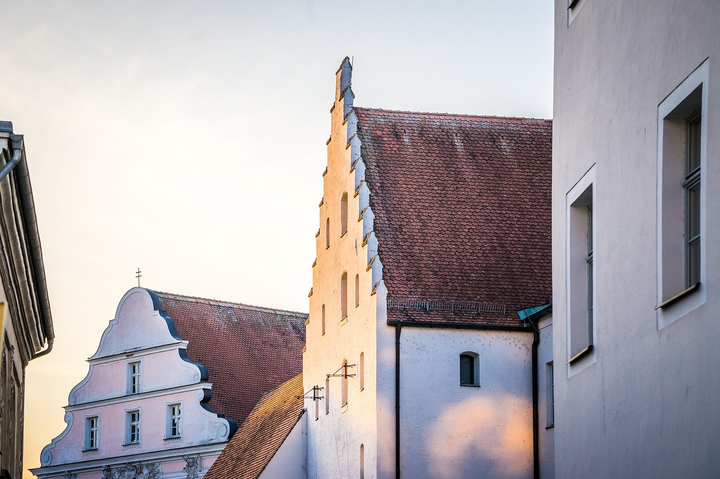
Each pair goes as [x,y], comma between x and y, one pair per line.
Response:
[338,434]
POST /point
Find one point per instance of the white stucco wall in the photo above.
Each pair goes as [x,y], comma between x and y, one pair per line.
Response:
[453,431]
[290,461]
[138,333]
[647,405]
[334,439]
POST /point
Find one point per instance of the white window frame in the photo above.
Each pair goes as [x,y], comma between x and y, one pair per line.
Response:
[90,442]
[675,298]
[129,423]
[134,379]
[171,417]
[581,300]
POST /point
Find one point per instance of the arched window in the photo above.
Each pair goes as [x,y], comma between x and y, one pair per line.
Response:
[327,233]
[357,290]
[362,371]
[323,319]
[469,369]
[344,384]
[344,214]
[343,296]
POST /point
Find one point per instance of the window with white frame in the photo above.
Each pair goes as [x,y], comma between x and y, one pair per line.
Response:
[469,374]
[550,395]
[132,427]
[173,421]
[580,266]
[133,377]
[92,431]
[682,132]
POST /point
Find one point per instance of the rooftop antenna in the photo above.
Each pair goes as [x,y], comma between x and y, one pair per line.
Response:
[138,275]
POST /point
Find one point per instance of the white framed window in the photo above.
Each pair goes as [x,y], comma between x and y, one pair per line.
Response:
[469,374]
[133,377]
[92,433]
[550,395]
[173,421]
[681,192]
[580,270]
[132,427]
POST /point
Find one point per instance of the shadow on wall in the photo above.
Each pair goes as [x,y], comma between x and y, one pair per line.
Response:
[480,437]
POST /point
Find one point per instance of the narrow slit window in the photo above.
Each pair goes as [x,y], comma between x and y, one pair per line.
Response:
[327,233]
[344,384]
[362,371]
[343,296]
[550,381]
[327,395]
[322,320]
[362,461]
[344,214]
[357,290]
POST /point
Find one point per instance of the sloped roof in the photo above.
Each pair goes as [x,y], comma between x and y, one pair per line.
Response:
[261,435]
[462,213]
[246,350]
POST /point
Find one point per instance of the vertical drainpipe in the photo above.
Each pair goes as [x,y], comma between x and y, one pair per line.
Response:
[398,330]
[536,434]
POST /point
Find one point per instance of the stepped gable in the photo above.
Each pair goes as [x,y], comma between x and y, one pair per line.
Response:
[462,209]
[247,350]
[261,435]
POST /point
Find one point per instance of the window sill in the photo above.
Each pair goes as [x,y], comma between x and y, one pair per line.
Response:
[343,235]
[679,296]
[344,321]
[580,354]
[90,449]
[551,426]
[344,408]
[131,444]
[172,438]
[470,385]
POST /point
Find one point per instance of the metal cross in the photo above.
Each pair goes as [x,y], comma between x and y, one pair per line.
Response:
[138,275]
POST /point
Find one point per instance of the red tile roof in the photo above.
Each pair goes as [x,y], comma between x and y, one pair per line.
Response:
[247,350]
[462,211]
[262,434]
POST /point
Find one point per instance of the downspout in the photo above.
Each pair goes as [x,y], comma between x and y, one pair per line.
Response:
[536,433]
[398,330]
[30,221]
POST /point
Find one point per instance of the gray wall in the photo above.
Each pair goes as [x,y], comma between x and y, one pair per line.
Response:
[645,403]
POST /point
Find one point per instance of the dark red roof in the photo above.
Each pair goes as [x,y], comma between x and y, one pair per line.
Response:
[247,350]
[462,212]
[262,434]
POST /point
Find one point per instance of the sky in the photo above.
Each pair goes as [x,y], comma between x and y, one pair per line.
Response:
[187,139]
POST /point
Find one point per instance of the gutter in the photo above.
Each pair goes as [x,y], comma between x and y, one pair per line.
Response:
[398,330]
[27,205]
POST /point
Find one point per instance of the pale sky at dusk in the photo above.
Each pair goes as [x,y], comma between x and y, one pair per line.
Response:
[188,139]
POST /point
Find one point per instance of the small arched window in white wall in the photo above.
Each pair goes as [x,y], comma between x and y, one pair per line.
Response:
[469,374]
[343,296]
[357,290]
[362,371]
[362,461]
[344,214]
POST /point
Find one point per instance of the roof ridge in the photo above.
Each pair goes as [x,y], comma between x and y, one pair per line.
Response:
[458,115]
[209,301]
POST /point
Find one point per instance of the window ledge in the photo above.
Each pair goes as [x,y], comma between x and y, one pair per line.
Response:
[172,438]
[343,235]
[550,426]
[678,296]
[131,444]
[343,321]
[90,449]
[344,408]
[580,354]
[470,385]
